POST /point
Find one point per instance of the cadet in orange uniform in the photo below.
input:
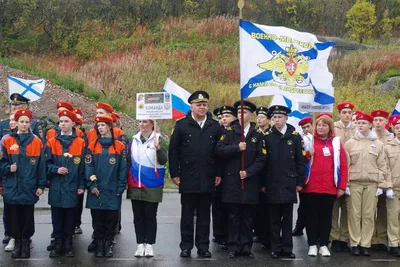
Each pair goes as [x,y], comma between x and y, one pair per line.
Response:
[65,170]
[106,174]
[23,165]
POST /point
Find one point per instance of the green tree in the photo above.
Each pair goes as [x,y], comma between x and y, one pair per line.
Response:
[360,20]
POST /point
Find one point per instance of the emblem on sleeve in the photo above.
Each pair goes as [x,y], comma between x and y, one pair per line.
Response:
[88,159]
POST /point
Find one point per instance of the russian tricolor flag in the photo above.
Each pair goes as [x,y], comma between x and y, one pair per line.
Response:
[180,105]
[395,113]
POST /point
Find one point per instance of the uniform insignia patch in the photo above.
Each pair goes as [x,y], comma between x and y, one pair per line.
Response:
[32,161]
[229,128]
[112,161]
[88,159]
[290,142]
[264,149]
[303,152]
[77,160]
[254,139]
[294,133]
[222,137]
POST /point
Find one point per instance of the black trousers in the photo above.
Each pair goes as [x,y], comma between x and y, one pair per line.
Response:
[301,213]
[261,221]
[78,211]
[318,217]
[281,221]
[21,221]
[220,219]
[240,236]
[104,223]
[201,203]
[5,219]
[145,221]
[63,221]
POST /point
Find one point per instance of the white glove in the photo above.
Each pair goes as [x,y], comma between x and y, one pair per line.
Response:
[347,192]
[379,192]
[390,193]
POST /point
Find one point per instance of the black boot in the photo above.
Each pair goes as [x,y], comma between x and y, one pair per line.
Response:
[16,253]
[68,247]
[108,248]
[51,246]
[25,249]
[93,246]
[56,251]
[100,248]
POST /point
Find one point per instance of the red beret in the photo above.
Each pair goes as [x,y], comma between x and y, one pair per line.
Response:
[64,104]
[78,111]
[107,119]
[305,121]
[396,120]
[105,106]
[357,112]
[365,117]
[67,113]
[343,105]
[23,112]
[325,114]
[117,115]
[380,113]
[393,117]
[79,121]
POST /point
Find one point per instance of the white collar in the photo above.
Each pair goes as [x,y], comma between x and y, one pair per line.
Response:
[65,134]
[201,123]
[284,129]
[246,130]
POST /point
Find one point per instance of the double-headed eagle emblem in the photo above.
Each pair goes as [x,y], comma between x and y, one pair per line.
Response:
[289,69]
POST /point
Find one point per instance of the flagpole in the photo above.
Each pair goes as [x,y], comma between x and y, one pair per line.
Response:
[313,133]
[240,5]
[155,149]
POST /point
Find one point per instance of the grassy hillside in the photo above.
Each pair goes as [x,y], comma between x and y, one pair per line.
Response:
[197,55]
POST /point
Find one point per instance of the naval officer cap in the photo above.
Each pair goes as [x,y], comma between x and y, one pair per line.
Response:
[18,99]
[250,106]
[198,96]
[278,109]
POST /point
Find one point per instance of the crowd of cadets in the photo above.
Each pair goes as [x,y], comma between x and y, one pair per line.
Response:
[251,179]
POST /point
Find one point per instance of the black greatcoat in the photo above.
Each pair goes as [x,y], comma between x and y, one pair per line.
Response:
[286,164]
[255,156]
[192,154]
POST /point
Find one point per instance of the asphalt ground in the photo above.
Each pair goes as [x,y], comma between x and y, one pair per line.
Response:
[167,247]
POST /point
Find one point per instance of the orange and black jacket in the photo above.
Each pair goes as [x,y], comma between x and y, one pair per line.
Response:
[26,150]
[119,135]
[106,160]
[65,151]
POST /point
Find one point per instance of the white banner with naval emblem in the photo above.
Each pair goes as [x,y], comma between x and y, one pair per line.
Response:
[153,106]
[279,60]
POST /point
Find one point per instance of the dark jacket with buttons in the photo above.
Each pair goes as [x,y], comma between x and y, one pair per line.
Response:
[192,154]
[254,161]
[286,165]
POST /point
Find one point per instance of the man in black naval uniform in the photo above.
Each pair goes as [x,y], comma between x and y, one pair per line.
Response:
[193,167]
[240,187]
[261,222]
[285,173]
[220,214]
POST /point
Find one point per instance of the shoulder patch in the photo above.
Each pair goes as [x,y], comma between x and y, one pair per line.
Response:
[294,133]
[222,137]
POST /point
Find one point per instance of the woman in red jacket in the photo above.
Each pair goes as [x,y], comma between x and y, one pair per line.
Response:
[326,181]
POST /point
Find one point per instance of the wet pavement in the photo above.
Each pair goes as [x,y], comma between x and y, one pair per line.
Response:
[167,247]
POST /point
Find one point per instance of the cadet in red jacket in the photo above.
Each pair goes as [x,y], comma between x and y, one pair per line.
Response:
[23,165]
[65,169]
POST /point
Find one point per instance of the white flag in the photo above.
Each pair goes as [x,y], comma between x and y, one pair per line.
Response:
[31,89]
